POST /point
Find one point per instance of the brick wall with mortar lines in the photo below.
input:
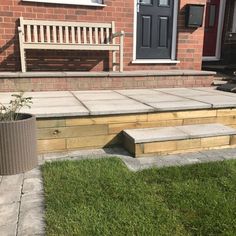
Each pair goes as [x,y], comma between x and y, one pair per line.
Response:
[96,83]
[189,41]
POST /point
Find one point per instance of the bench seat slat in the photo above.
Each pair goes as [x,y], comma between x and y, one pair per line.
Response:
[102,35]
[90,35]
[41,33]
[85,35]
[73,35]
[54,34]
[35,33]
[79,35]
[29,39]
[48,34]
[67,34]
[60,34]
[96,35]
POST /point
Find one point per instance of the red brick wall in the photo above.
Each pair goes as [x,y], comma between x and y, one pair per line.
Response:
[189,41]
[98,83]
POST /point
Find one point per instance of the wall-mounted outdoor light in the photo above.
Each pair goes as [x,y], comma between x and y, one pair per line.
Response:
[194,15]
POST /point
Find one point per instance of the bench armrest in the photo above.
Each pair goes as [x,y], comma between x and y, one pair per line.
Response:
[118,34]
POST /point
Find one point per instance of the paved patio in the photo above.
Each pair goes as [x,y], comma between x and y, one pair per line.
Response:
[104,102]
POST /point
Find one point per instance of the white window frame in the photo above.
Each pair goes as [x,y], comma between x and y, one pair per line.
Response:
[96,3]
[172,60]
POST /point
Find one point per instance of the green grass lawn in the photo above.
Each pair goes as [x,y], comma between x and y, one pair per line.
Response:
[102,197]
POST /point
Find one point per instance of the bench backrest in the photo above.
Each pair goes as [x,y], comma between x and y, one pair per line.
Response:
[60,32]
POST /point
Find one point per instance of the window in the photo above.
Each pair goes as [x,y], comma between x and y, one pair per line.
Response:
[72,2]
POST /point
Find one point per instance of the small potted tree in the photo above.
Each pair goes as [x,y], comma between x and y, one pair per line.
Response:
[18,152]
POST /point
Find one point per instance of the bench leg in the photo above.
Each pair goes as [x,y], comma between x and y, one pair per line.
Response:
[22,60]
[114,61]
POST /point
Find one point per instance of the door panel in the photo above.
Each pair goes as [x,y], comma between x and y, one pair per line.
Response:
[154,29]
[163,33]
[146,34]
[211,27]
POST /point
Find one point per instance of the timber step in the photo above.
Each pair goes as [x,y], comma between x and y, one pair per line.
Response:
[178,139]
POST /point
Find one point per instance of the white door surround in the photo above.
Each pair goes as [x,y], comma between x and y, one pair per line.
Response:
[174,39]
[219,33]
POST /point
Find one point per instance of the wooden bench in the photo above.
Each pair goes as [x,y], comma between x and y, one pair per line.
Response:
[59,35]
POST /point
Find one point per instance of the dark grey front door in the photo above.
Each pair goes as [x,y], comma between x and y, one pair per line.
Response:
[154,29]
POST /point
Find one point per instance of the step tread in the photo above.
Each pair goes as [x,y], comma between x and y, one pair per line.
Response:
[178,132]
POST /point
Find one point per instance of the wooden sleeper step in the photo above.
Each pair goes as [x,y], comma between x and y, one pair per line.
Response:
[178,139]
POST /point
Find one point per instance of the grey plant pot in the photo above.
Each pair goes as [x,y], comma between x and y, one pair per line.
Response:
[18,148]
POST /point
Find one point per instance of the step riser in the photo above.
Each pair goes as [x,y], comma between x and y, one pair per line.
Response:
[179,146]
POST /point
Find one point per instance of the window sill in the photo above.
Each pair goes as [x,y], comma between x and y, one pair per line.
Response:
[67,2]
[155,61]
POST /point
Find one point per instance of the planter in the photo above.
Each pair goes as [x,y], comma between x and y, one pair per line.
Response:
[18,150]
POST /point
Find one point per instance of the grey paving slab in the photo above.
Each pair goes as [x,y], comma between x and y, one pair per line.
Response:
[154,161]
[90,96]
[205,88]
[8,230]
[227,157]
[178,132]
[212,153]
[9,214]
[193,155]
[30,221]
[5,101]
[215,91]
[168,161]
[50,94]
[11,182]
[229,151]
[5,98]
[9,197]
[219,101]
[185,92]
[152,98]
[206,130]
[188,161]
[116,107]
[212,159]
[62,111]
[7,95]
[35,173]
[155,134]
[55,102]
[129,92]
[179,105]
[92,91]
[32,185]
